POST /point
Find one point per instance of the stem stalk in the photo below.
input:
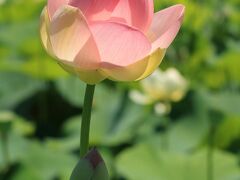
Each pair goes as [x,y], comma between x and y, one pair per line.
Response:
[86,118]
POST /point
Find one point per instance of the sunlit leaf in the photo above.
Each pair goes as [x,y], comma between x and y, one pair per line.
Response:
[72,89]
[143,162]
[16,87]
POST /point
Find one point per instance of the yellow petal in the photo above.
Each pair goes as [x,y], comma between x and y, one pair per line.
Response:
[128,73]
[44,31]
[154,61]
[88,76]
[135,71]
[72,39]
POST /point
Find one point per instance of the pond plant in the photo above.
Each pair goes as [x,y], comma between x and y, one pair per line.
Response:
[122,40]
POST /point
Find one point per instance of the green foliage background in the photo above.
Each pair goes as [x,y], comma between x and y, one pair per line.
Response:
[46,104]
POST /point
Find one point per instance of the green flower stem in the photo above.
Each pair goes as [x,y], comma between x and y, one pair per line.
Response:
[166,134]
[210,152]
[5,150]
[210,164]
[86,118]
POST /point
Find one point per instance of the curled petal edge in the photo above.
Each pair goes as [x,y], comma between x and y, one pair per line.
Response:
[44,29]
[154,61]
[135,71]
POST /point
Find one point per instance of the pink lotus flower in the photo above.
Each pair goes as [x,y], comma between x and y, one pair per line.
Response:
[122,40]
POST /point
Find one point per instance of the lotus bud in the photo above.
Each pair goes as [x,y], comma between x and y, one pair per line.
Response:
[90,167]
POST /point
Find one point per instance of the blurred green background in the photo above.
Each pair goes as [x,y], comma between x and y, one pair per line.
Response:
[40,104]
